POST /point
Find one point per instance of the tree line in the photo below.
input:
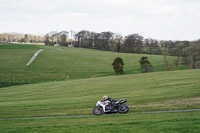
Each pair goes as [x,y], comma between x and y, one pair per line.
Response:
[20,38]
[174,52]
[181,52]
[108,41]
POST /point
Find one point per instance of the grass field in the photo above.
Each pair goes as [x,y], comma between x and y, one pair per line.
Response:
[75,63]
[184,122]
[144,92]
[93,77]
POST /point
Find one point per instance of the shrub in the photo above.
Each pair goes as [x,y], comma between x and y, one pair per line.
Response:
[145,65]
[118,65]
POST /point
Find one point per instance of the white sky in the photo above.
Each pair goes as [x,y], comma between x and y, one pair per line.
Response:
[158,19]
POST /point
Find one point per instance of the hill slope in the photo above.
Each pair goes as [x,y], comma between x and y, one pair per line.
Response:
[74,63]
[144,92]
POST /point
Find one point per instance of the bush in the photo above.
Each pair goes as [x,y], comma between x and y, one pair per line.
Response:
[118,65]
[145,65]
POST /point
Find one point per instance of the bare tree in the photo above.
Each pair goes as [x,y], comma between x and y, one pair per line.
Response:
[50,38]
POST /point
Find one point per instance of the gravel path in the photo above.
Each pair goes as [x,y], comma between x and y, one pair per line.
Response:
[187,110]
[34,56]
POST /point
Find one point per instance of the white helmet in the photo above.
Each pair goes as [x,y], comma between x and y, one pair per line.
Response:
[105,97]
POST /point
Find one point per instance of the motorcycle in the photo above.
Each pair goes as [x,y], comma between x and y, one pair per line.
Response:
[107,107]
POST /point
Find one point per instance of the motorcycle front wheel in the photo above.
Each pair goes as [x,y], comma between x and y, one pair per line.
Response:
[123,109]
[97,111]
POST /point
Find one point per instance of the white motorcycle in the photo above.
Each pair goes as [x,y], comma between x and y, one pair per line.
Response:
[106,106]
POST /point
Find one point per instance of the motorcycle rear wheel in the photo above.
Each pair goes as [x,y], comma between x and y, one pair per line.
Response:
[97,111]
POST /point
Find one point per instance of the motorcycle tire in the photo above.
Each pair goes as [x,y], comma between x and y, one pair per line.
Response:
[97,111]
[122,109]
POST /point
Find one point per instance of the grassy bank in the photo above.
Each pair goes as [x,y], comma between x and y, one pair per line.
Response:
[72,63]
[144,92]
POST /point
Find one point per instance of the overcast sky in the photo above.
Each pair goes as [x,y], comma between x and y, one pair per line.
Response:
[158,19]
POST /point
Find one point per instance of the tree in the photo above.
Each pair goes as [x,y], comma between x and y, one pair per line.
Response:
[83,39]
[184,55]
[152,46]
[174,52]
[133,43]
[72,37]
[105,40]
[168,63]
[145,65]
[117,42]
[63,38]
[194,54]
[118,47]
[148,44]
[118,66]
[50,38]
[26,38]
[171,51]
[94,38]
[178,52]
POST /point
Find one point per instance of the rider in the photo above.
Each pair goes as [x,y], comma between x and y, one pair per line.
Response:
[112,101]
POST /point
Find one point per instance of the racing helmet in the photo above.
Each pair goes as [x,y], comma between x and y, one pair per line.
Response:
[105,97]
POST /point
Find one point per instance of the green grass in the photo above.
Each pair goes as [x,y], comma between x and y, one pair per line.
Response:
[144,92]
[95,77]
[76,63]
[182,122]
